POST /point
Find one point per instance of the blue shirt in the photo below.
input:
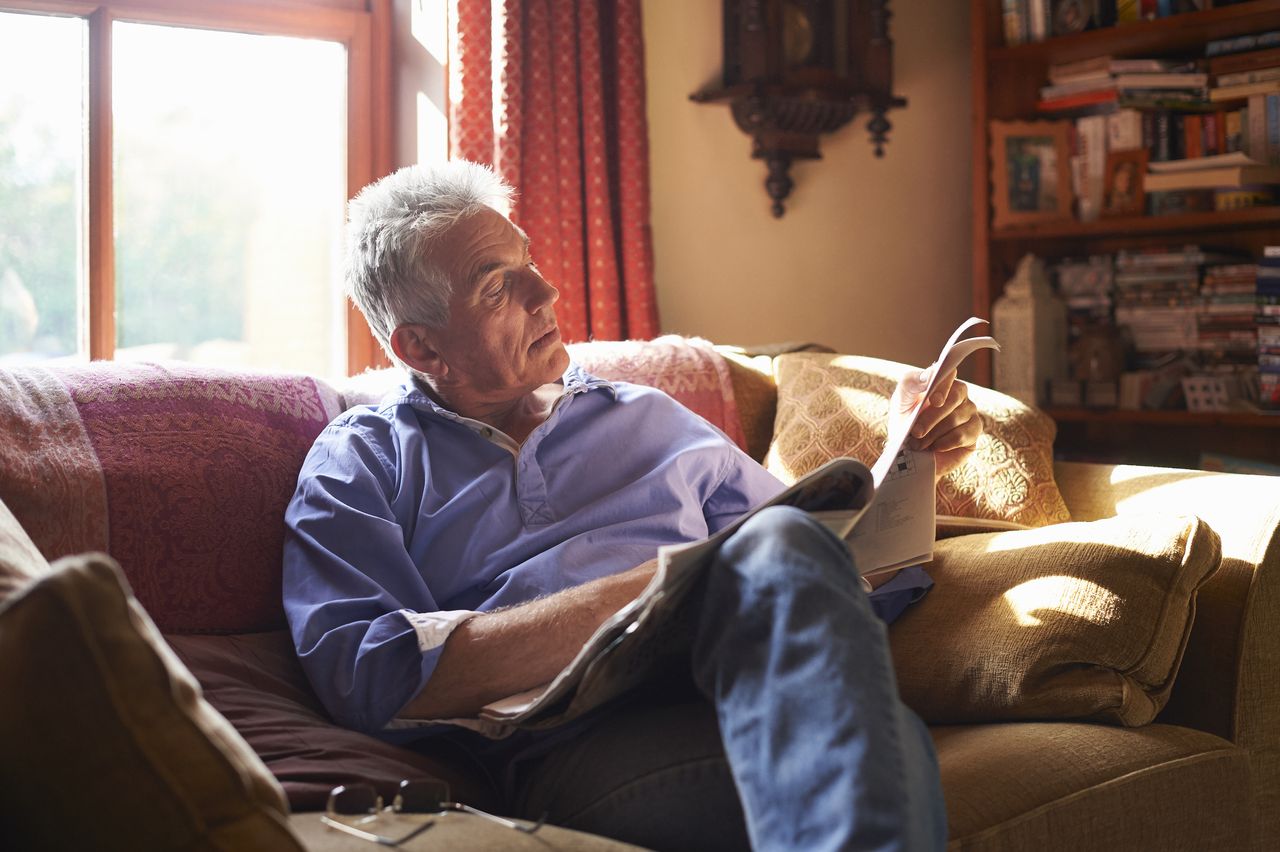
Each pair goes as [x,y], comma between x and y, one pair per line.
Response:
[407,513]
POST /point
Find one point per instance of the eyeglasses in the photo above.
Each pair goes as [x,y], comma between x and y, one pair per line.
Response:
[413,797]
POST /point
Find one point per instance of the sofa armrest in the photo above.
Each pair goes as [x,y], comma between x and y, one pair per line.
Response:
[1228,684]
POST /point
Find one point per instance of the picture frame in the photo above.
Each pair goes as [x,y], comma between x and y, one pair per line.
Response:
[1030,172]
[1125,175]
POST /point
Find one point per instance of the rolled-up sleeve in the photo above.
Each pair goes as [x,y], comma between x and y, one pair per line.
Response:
[367,628]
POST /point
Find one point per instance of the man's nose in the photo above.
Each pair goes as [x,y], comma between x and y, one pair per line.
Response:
[541,293]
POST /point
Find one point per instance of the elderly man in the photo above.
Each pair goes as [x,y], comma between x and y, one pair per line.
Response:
[458,542]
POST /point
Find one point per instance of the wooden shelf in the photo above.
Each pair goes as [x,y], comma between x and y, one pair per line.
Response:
[1115,226]
[1195,419]
[1177,35]
[1006,86]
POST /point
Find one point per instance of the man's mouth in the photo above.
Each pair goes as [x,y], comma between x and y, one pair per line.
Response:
[548,338]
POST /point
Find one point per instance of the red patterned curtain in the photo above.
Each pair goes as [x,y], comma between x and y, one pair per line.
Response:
[551,94]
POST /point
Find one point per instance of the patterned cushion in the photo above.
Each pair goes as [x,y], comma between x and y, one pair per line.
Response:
[689,369]
[1072,621]
[181,472]
[838,405]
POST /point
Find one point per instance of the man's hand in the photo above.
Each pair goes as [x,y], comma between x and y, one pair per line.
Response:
[948,423]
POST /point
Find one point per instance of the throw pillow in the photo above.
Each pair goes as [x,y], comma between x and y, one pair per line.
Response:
[838,405]
[107,741]
[1074,621]
[20,560]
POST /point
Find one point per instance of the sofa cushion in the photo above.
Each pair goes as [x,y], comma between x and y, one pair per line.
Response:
[838,405]
[1061,785]
[1073,621]
[107,741]
[257,683]
[198,465]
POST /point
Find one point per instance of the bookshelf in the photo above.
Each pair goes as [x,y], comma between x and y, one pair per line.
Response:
[1005,86]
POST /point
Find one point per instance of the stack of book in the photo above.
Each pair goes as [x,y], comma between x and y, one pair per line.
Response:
[1104,81]
[1219,182]
[1085,286]
[1268,319]
[1226,327]
[1157,297]
[1250,84]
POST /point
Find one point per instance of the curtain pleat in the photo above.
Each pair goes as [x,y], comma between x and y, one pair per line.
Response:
[565,124]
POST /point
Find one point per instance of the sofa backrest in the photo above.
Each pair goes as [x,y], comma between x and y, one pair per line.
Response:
[180,472]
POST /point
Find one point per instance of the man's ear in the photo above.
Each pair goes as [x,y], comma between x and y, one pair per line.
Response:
[413,344]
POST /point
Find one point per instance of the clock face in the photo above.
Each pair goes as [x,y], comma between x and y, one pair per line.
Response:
[797,34]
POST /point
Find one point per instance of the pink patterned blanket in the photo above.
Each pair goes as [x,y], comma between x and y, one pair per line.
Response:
[180,472]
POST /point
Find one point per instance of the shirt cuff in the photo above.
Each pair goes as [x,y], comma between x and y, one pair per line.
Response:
[433,628]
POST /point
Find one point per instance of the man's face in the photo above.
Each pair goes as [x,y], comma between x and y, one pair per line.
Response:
[502,340]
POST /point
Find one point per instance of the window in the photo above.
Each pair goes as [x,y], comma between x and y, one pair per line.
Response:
[221,144]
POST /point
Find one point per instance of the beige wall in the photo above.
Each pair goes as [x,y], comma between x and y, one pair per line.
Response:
[872,255]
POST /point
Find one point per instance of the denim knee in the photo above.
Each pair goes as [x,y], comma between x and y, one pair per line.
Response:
[783,546]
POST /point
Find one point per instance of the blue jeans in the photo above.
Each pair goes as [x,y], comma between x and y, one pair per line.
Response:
[798,740]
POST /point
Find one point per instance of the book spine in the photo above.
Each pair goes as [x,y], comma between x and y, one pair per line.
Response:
[1093,129]
[1209,134]
[1233,134]
[1163,137]
[1128,11]
[1192,136]
[1013,11]
[1273,128]
[1257,138]
[1038,19]
[1244,78]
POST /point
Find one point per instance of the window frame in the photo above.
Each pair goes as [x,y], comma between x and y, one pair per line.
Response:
[363,27]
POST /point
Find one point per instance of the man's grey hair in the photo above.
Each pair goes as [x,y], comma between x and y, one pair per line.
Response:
[392,274]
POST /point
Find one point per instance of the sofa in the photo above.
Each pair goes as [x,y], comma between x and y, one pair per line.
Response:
[150,696]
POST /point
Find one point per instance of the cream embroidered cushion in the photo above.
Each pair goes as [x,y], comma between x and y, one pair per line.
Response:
[838,405]
[1072,621]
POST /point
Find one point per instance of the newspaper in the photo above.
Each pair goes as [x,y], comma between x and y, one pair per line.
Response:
[885,514]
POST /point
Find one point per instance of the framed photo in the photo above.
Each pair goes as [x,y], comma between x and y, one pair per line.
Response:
[1125,173]
[1030,172]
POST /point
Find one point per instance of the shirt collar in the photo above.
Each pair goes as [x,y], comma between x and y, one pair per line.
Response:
[576,380]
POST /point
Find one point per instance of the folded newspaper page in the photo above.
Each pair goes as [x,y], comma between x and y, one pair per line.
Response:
[885,514]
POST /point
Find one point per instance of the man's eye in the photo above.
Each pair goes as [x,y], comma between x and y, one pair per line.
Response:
[500,289]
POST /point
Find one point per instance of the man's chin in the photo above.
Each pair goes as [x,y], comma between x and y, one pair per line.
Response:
[559,360]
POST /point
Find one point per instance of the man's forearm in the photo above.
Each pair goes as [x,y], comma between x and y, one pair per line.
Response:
[496,654]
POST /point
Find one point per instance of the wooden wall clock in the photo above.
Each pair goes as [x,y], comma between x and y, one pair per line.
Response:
[796,69]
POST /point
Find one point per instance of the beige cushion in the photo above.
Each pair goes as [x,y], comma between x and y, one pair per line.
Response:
[1074,621]
[1048,786]
[20,560]
[838,405]
[106,739]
